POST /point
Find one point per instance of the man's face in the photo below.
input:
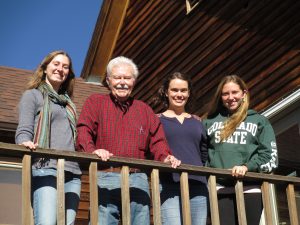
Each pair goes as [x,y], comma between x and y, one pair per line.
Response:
[121,82]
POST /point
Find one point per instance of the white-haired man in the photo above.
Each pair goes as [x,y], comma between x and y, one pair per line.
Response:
[117,124]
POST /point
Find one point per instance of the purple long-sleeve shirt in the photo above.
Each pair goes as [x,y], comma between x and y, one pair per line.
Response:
[188,142]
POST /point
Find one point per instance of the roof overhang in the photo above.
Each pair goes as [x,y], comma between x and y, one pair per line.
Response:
[104,39]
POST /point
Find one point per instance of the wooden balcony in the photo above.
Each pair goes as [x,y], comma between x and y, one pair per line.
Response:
[14,153]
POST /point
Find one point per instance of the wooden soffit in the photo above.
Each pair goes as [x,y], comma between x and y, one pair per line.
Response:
[104,38]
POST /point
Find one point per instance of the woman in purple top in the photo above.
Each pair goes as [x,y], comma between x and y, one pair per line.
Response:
[186,137]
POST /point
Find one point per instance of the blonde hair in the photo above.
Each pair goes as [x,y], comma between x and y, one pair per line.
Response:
[217,106]
[39,75]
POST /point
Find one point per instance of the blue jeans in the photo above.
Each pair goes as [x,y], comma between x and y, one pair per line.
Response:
[109,192]
[44,196]
[171,203]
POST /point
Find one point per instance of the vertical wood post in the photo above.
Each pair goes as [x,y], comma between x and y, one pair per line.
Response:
[155,197]
[240,203]
[291,199]
[185,199]
[27,212]
[125,196]
[93,178]
[213,199]
[61,217]
[265,188]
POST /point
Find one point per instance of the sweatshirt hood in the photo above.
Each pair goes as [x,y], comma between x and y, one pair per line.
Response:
[251,112]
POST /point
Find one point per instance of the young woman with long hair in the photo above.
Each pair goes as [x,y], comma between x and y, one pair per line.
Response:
[186,137]
[241,140]
[47,119]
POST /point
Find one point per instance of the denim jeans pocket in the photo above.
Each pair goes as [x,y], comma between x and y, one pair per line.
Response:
[109,180]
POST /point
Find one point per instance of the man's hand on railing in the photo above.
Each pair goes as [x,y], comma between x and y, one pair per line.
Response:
[239,171]
[172,160]
[30,145]
[103,154]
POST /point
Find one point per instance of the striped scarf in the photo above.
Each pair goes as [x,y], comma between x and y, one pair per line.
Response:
[42,130]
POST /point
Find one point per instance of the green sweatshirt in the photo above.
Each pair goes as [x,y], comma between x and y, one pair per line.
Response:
[252,144]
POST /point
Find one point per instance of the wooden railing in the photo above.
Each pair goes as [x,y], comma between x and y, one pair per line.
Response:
[91,162]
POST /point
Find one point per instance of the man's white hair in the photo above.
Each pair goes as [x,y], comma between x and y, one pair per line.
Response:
[122,60]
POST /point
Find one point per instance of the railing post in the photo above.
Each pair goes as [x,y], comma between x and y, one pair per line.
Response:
[265,189]
[61,217]
[213,199]
[273,200]
[27,212]
[155,197]
[93,193]
[290,191]
[185,199]
[125,195]
[240,202]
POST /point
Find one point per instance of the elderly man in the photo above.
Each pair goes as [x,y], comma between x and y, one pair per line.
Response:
[117,124]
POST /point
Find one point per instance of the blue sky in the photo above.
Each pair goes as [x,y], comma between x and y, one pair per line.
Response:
[30,29]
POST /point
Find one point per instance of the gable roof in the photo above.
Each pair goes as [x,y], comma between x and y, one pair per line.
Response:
[12,85]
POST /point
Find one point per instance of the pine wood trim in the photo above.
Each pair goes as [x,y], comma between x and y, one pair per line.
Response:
[27,212]
[125,195]
[93,193]
[185,199]
[291,197]
[61,192]
[213,199]
[155,196]
[265,188]
[105,36]
[240,202]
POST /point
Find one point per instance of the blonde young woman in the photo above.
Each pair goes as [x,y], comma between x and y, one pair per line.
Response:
[241,140]
[47,119]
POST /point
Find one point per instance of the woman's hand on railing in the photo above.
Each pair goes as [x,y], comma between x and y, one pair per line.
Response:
[172,160]
[30,145]
[103,154]
[239,171]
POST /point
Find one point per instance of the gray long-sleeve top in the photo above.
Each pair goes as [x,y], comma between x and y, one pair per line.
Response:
[30,106]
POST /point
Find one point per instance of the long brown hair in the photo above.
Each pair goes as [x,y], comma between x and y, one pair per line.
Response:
[217,106]
[162,98]
[39,75]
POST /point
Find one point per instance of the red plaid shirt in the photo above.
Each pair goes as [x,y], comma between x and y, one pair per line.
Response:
[130,129]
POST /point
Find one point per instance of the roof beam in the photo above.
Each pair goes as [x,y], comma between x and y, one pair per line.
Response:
[104,39]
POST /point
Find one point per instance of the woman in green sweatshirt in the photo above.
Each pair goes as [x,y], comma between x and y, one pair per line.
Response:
[241,140]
